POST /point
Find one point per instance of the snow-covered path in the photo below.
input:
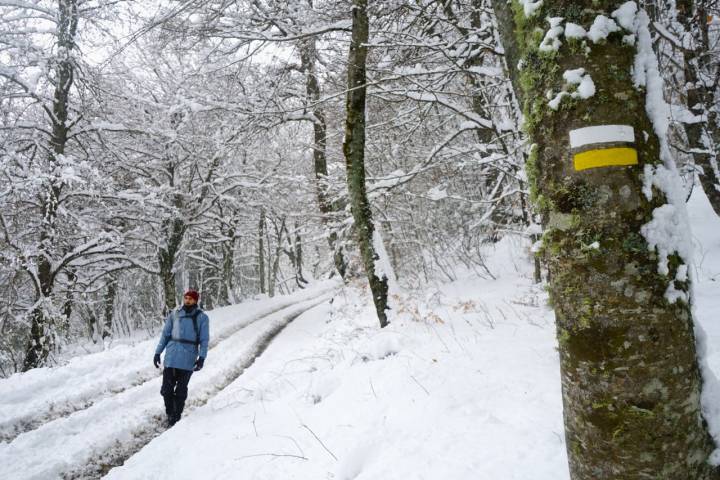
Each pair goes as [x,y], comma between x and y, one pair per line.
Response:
[463,385]
[28,400]
[88,441]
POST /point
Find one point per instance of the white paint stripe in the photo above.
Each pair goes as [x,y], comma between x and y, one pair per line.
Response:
[601,134]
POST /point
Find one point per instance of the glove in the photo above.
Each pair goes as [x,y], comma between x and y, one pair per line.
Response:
[199,363]
[156,360]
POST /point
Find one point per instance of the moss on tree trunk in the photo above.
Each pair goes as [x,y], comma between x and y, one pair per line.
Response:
[354,150]
[630,376]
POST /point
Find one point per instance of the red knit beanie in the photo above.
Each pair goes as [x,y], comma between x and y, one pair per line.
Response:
[192,294]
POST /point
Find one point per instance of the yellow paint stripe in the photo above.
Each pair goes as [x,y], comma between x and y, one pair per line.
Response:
[606,157]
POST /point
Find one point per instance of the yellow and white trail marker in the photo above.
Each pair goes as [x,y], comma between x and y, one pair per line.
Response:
[603,146]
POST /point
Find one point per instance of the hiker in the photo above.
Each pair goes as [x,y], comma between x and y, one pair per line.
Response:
[185,335]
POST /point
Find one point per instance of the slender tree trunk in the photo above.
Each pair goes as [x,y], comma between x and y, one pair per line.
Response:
[41,340]
[68,304]
[273,271]
[700,98]
[327,208]
[294,253]
[270,283]
[299,258]
[227,286]
[261,250]
[354,150]
[630,375]
[109,311]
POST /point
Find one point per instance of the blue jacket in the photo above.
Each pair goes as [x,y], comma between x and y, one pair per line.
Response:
[179,326]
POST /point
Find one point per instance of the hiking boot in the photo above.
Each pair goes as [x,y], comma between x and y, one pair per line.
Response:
[170,421]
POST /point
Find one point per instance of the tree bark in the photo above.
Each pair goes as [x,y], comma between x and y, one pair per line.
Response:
[273,271]
[261,250]
[227,284]
[109,311]
[630,375]
[327,208]
[299,258]
[354,150]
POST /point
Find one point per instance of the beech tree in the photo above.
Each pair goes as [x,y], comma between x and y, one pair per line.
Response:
[615,241]
[354,149]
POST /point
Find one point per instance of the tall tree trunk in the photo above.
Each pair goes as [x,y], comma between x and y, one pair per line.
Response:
[227,284]
[294,253]
[109,311]
[41,340]
[630,375]
[702,136]
[354,150]
[273,271]
[299,258]
[68,304]
[261,250]
[327,208]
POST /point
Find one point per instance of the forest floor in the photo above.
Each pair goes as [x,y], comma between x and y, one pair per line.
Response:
[463,384]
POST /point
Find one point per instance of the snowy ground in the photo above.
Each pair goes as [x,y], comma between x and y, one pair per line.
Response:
[464,384]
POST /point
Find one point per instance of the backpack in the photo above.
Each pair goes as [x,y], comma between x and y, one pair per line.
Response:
[195,327]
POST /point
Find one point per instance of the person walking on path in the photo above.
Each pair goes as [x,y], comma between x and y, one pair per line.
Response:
[185,336]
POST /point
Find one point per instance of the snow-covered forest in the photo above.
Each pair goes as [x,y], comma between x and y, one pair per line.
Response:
[435,238]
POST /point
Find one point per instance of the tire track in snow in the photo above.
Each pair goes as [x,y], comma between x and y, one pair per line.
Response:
[115,457]
[89,442]
[51,405]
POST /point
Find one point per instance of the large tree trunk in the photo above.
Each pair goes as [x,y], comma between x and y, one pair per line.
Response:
[354,150]
[630,375]
[327,208]
[41,339]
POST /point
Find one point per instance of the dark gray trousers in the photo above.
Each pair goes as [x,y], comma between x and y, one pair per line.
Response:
[174,391]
